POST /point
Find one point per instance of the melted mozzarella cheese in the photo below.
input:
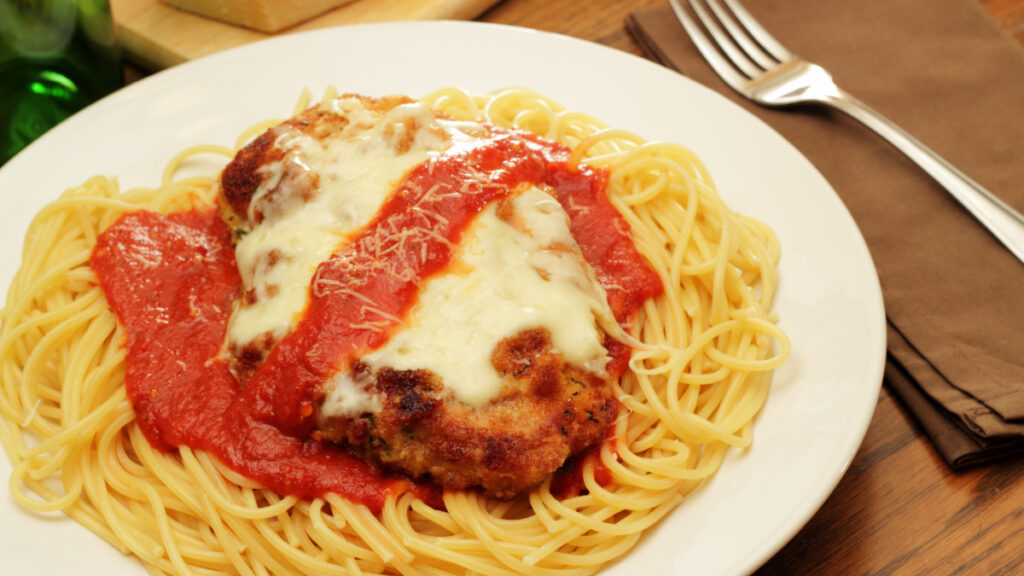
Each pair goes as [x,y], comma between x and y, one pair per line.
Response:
[510,277]
[356,169]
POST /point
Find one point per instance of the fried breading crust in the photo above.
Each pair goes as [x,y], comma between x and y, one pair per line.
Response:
[547,411]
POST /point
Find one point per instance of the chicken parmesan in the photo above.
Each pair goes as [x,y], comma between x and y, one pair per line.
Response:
[491,369]
[410,288]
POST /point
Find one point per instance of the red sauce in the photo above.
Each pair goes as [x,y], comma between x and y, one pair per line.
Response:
[172,280]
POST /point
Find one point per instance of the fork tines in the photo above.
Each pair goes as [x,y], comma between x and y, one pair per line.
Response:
[747,49]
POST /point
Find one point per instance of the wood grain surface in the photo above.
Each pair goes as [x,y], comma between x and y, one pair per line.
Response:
[899,510]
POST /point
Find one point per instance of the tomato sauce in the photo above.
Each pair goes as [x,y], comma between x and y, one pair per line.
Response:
[172,280]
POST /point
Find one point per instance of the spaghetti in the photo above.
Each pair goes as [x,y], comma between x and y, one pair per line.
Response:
[710,345]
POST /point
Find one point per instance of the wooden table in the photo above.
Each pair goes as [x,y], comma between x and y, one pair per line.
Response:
[899,509]
[601,20]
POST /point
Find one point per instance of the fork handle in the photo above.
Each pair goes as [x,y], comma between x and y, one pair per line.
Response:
[1001,219]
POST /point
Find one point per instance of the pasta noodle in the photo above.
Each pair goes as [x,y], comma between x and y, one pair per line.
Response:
[692,392]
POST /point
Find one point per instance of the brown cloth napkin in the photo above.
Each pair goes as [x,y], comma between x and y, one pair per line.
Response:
[945,72]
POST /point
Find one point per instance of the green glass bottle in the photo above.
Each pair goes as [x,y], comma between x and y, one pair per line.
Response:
[56,57]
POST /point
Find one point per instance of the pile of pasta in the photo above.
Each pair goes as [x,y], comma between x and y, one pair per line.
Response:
[692,392]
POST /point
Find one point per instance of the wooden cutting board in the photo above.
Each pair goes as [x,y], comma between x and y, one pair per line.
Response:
[156,36]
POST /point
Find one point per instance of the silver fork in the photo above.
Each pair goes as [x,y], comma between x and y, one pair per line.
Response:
[757,66]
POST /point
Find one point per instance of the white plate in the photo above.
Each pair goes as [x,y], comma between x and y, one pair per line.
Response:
[829,299]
